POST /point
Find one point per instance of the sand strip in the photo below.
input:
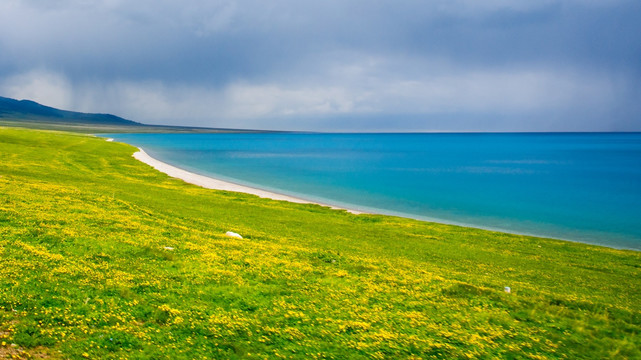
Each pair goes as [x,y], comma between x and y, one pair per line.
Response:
[216,184]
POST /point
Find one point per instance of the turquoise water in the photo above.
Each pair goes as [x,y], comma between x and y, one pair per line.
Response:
[583,187]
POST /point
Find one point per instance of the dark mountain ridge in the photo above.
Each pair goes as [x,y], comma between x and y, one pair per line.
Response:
[27,110]
[30,114]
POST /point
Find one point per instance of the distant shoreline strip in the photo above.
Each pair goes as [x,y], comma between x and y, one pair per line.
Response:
[217,184]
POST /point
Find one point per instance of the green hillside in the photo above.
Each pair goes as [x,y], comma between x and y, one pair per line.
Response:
[101,256]
[27,110]
[31,115]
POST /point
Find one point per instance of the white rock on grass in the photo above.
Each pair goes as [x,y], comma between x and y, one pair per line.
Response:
[233,234]
[169,248]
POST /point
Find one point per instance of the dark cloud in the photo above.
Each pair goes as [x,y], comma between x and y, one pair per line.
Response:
[331,65]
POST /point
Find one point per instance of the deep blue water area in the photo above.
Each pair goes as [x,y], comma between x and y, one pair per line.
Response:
[576,186]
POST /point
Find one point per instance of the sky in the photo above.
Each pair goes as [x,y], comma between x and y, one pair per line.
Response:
[333,65]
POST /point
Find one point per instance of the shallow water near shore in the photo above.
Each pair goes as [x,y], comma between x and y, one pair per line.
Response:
[577,186]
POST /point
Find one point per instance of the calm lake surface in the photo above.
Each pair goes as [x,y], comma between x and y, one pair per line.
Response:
[583,187]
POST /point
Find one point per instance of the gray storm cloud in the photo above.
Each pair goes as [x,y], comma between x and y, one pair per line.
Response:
[335,65]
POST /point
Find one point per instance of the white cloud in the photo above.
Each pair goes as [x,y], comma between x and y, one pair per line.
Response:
[506,91]
[364,86]
[42,86]
[230,63]
[231,106]
[475,8]
[355,91]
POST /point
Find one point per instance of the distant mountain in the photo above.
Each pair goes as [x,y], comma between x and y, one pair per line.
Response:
[27,110]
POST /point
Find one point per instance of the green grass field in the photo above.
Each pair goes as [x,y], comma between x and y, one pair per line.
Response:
[85,273]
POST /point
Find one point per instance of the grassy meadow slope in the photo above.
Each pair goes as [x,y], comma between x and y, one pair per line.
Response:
[87,271]
[30,114]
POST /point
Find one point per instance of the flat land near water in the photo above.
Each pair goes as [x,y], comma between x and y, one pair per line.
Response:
[101,256]
[97,128]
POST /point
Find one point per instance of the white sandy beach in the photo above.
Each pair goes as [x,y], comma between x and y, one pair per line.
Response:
[217,184]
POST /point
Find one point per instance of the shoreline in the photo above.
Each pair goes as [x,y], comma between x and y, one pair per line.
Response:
[209,182]
[213,183]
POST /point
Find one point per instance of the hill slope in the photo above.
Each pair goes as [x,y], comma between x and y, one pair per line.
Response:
[30,114]
[28,110]
[103,257]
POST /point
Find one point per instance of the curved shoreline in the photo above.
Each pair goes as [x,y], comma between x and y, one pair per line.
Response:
[209,182]
[217,184]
